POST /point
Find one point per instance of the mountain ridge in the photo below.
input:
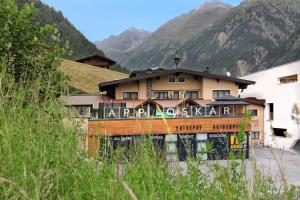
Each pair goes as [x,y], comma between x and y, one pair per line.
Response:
[115,45]
[253,36]
[78,45]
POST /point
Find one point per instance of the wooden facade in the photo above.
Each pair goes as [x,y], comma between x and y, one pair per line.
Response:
[98,128]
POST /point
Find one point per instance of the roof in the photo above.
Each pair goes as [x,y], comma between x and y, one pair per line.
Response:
[112,62]
[220,103]
[255,101]
[228,100]
[152,73]
[82,100]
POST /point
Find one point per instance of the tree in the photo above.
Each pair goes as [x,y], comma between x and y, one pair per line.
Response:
[25,55]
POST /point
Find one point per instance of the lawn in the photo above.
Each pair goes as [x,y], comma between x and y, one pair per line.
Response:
[86,77]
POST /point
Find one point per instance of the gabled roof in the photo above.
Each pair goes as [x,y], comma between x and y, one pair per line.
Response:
[139,75]
[111,62]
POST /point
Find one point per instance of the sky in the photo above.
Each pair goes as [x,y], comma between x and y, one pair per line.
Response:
[98,19]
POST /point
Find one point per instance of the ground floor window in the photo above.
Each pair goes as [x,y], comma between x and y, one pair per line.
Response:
[83,111]
[255,135]
[179,147]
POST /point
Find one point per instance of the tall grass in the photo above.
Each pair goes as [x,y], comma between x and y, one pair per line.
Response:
[40,158]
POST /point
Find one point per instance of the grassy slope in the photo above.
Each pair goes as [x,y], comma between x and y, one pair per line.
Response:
[86,77]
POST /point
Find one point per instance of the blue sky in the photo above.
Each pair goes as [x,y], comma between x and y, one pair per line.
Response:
[98,19]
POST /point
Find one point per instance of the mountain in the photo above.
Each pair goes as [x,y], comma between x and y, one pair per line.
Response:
[78,44]
[116,46]
[253,36]
[162,44]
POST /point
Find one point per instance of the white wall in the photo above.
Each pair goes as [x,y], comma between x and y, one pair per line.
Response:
[284,97]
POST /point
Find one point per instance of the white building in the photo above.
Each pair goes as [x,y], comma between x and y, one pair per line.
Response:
[280,87]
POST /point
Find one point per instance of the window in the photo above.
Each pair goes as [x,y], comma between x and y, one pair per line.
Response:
[181,79]
[191,94]
[172,79]
[271,111]
[288,79]
[130,95]
[281,132]
[161,95]
[220,93]
[176,95]
[255,135]
[83,111]
[253,113]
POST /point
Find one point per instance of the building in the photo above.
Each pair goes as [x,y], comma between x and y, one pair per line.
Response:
[83,105]
[256,108]
[280,87]
[172,107]
[98,61]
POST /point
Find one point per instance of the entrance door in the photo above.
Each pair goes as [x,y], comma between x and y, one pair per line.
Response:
[186,146]
[219,144]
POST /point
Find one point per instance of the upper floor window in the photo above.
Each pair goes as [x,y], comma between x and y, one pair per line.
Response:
[253,113]
[130,95]
[181,79]
[175,95]
[172,79]
[288,79]
[191,94]
[220,93]
[161,95]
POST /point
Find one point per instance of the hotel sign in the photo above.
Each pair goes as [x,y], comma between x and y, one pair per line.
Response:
[187,112]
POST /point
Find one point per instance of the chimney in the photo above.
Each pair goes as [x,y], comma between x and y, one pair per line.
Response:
[177,61]
[206,69]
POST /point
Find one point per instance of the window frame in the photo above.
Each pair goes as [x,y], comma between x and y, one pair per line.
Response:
[255,135]
[172,76]
[130,95]
[161,94]
[174,95]
[288,79]
[191,92]
[255,111]
[219,93]
[178,79]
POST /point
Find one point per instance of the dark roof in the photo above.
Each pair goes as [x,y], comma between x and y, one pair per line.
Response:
[228,100]
[255,101]
[111,62]
[150,73]
[220,103]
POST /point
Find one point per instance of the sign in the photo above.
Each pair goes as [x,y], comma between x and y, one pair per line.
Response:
[192,111]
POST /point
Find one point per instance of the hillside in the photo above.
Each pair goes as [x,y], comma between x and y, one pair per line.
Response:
[78,44]
[162,44]
[116,46]
[253,36]
[86,77]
